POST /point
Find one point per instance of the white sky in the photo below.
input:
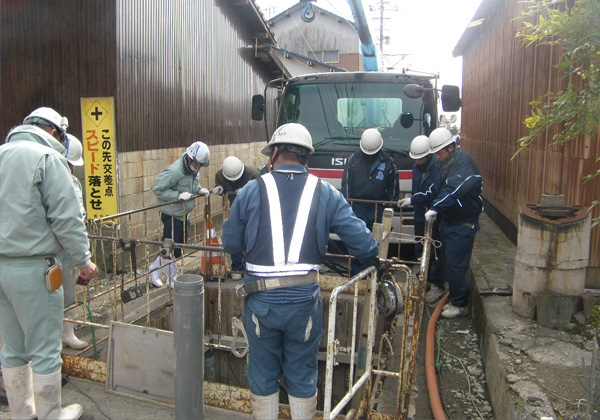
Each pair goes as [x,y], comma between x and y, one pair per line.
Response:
[428,30]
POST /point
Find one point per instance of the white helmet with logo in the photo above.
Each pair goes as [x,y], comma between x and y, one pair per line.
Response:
[73,151]
[371,141]
[419,147]
[198,152]
[294,134]
[233,168]
[48,116]
[440,138]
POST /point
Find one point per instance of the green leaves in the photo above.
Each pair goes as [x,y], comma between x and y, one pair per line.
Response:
[576,109]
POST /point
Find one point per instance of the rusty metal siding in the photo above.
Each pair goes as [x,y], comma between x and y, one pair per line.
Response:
[53,53]
[186,73]
[500,78]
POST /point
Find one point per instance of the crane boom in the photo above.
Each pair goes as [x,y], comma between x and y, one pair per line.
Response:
[367,48]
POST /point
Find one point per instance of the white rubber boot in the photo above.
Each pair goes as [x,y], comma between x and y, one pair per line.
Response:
[19,391]
[69,339]
[47,394]
[265,408]
[303,408]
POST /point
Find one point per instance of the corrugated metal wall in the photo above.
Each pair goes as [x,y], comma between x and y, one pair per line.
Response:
[500,78]
[186,73]
[53,53]
[179,70]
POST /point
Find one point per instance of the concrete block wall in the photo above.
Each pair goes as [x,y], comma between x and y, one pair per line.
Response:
[138,170]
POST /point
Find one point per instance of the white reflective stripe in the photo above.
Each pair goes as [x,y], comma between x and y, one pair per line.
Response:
[286,270]
[302,219]
[276,222]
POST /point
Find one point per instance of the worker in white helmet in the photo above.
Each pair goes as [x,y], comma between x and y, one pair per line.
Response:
[40,218]
[370,174]
[459,204]
[179,181]
[425,187]
[231,178]
[281,221]
[74,154]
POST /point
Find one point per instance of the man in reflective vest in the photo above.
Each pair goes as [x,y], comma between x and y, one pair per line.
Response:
[281,222]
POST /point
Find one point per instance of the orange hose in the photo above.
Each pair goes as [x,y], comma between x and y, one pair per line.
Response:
[432,388]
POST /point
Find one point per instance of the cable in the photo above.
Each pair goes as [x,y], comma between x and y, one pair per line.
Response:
[66,377]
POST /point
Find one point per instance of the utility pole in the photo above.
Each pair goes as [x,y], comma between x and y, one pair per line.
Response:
[385,8]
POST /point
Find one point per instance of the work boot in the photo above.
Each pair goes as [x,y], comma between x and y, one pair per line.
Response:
[303,408]
[452,311]
[265,408]
[434,294]
[69,339]
[47,395]
[19,391]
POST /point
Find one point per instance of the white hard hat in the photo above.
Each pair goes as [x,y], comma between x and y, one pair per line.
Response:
[49,116]
[292,133]
[199,153]
[73,151]
[440,138]
[419,147]
[371,141]
[233,168]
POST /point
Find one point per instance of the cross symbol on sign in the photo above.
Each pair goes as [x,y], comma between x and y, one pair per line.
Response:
[96,113]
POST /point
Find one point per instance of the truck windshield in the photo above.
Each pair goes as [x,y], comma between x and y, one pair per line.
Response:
[336,114]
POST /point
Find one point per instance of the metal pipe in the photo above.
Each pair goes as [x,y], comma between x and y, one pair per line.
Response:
[188,329]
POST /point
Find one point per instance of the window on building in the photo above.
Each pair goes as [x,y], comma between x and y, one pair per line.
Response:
[325,56]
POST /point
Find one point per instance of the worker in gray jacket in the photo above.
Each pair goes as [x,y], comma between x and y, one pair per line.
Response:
[40,216]
[179,181]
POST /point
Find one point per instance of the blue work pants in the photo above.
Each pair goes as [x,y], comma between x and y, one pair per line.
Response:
[457,240]
[31,317]
[283,339]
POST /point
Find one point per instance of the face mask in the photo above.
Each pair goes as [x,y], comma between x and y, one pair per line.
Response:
[423,166]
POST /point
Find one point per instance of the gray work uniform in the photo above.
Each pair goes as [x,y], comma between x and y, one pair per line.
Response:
[39,217]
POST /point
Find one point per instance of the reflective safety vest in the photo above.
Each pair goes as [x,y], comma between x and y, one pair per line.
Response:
[291,265]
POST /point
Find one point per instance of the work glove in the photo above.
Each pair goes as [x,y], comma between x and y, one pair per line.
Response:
[185,196]
[203,191]
[404,202]
[430,215]
[373,261]
[218,190]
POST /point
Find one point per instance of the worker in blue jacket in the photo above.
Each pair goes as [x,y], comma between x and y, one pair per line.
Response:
[370,174]
[281,221]
[459,204]
[425,187]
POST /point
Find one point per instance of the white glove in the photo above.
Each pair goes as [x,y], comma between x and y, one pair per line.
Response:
[430,215]
[218,190]
[404,202]
[238,190]
[203,191]
[185,196]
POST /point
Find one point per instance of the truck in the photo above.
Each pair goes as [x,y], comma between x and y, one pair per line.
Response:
[337,107]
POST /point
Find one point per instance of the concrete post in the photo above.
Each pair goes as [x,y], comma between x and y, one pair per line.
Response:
[188,329]
[550,264]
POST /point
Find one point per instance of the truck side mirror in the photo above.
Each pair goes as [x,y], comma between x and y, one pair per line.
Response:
[258,107]
[451,98]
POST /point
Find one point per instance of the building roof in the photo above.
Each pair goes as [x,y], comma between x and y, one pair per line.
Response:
[301,5]
[474,27]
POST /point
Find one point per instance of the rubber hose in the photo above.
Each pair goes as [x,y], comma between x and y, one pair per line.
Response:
[432,388]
